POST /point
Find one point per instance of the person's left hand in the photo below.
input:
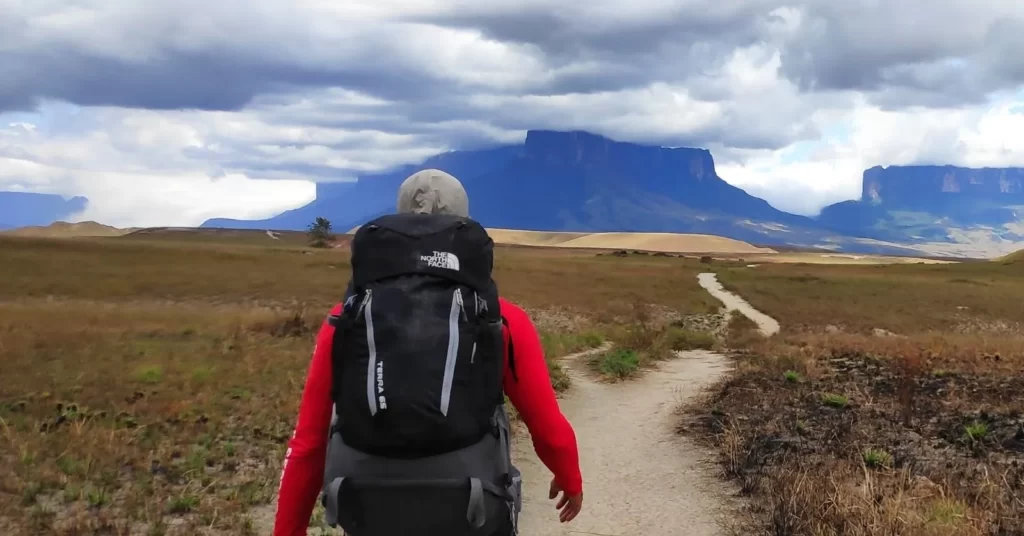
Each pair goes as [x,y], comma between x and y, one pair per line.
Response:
[570,505]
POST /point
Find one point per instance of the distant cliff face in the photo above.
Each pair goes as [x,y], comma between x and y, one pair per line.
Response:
[910,204]
[916,185]
[20,209]
[577,181]
[590,151]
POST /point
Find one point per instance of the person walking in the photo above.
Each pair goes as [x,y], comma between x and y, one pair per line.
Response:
[402,426]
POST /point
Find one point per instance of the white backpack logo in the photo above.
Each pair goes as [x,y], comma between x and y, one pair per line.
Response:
[442,259]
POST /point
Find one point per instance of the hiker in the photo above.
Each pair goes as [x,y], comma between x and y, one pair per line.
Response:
[402,426]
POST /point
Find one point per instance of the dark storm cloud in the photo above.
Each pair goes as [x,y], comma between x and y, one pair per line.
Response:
[204,81]
[921,52]
[569,37]
[907,53]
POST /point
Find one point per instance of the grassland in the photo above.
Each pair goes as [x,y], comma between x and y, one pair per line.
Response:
[889,404]
[150,382]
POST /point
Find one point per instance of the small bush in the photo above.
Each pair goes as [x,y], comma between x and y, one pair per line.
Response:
[560,381]
[834,400]
[591,339]
[97,497]
[976,431]
[791,376]
[742,332]
[678,339]
[877,458]
[619,363]
[183,504]
[150,374]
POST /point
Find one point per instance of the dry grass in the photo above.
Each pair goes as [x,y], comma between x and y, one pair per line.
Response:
[150,383]
[889,404]
[132,269]
[903,299]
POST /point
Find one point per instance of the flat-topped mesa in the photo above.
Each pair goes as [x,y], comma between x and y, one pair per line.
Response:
[916,185]
[583,149]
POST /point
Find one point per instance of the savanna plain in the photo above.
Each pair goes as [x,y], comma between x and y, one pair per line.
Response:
[149,382]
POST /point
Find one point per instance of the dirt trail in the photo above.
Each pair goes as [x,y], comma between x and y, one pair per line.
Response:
[768,325]
[639,476]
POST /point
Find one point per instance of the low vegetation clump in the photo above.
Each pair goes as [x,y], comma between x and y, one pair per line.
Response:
[644,340]
[876,458]
[618,363]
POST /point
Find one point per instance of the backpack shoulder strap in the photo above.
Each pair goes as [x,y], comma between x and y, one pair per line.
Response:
[511,350]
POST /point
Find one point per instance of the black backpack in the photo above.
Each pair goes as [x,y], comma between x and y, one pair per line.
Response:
[418,353]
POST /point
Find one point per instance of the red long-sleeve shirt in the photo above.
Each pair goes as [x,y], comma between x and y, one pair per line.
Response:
[530,392]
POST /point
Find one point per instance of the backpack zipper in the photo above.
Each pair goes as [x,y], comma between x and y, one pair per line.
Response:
[362,304]
[366,308]
[457,311]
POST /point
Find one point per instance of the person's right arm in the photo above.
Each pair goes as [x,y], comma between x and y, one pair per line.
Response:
[302,473]
[531,393]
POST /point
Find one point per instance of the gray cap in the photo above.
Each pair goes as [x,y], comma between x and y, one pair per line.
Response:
[432,191]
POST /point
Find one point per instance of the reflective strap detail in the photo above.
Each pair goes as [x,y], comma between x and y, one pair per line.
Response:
[371,366]
[453,351]
[476,513]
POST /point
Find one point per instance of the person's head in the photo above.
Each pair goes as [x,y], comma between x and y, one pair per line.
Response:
[432,191]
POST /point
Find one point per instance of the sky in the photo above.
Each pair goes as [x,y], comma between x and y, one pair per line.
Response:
[171,112]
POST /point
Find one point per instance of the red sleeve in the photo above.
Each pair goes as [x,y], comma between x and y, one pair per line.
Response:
[302,474]
[531,393]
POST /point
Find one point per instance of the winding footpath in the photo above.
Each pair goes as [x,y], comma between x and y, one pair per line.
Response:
[767,325]
[639,476]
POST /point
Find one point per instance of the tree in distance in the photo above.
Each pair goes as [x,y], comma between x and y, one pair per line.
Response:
[320,235]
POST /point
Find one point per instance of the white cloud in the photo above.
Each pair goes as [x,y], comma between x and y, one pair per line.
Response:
[830,169]
[146,199]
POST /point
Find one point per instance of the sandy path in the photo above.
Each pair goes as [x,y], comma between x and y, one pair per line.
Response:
[768,325]
[639,476]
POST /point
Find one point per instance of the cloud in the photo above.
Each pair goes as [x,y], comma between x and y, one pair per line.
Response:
[154,108]
[829,170]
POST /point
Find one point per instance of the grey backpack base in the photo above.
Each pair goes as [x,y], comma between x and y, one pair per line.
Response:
[474,491]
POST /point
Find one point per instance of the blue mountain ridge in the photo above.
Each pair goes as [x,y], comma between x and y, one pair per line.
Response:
[578,181]
[564,181]
[22,209]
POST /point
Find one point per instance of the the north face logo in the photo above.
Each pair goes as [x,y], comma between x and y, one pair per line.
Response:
[442,259]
